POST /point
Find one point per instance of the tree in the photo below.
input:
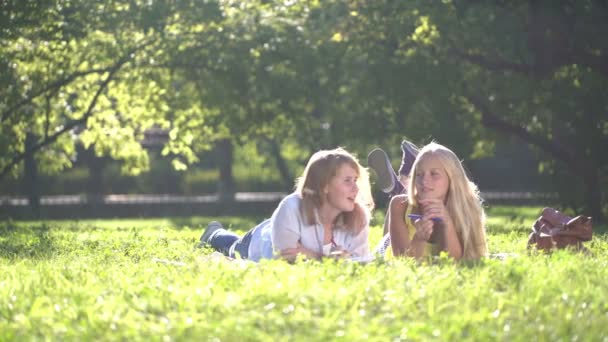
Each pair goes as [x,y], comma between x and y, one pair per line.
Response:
[352,73]
[538,71]
[86,72]
[534,70]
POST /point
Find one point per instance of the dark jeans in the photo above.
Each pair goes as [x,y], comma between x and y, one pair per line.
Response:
[398,189]
[230,244]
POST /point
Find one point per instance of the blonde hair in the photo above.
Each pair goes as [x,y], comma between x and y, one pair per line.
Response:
[463,202]
[321,168]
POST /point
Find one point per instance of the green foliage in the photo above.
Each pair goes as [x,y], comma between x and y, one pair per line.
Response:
[95,80]
[143,279]
[315,74]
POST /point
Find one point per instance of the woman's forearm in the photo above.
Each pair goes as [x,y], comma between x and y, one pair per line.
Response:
[416,249]
[291,254]
[398,230]
[452,243]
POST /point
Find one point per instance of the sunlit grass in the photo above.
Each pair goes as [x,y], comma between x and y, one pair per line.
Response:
[145,280]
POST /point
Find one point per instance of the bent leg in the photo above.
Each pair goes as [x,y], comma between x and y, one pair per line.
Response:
[241,246]
[222,241]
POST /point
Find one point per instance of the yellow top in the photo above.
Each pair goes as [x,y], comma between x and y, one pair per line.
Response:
[429,248]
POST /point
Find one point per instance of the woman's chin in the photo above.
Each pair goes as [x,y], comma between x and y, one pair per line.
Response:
[428,196]
[349,208]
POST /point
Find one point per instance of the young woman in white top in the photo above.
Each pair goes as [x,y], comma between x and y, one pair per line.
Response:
[327,215]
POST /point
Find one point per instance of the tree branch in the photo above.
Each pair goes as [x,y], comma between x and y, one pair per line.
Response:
[495,63]
[493,121]
[47,117]
[70,125]
[550,54]
[598,63]
[55,85]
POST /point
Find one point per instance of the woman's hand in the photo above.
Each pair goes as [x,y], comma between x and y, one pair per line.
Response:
[292,253]
[339,253]
[448,239]
[424,229]
[434,208]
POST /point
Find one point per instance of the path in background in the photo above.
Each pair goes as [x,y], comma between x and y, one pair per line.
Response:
[141,199]
[155,205]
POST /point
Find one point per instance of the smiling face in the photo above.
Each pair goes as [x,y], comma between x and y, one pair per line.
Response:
[431,180]
[342,189]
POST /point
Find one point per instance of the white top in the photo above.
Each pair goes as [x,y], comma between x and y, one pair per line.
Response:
[287,226]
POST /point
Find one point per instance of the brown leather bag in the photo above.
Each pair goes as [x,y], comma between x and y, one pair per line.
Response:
[553,229]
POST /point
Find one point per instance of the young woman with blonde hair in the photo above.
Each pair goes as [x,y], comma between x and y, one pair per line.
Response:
[327,215]
[442,212]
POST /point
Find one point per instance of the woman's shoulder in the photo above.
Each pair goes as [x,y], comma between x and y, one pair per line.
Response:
[399,200]
[289,204]
[292,200]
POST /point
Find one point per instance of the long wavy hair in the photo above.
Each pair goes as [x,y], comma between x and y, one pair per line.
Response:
[463,202]
[321,168]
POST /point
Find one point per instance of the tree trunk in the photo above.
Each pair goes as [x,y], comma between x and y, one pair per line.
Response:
[593,196]
[286,177]
[31,177]
[577,166]
[224,150]
[95,184]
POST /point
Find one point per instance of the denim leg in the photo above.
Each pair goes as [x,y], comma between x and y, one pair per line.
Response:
[229,243]
[222,241]
[242,246]
[398,189]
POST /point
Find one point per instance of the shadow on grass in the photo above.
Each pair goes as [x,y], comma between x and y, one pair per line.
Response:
[237,224]
[18,242]
[600,229]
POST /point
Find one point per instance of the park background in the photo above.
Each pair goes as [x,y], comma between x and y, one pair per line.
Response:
[219,97]
[199,103]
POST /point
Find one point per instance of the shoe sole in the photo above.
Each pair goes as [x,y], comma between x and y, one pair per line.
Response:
[378,161]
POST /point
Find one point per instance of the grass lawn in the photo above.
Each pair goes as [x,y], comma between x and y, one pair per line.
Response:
[144,280]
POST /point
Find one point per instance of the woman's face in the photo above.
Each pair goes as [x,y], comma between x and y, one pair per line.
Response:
[342,189]
[431,179]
